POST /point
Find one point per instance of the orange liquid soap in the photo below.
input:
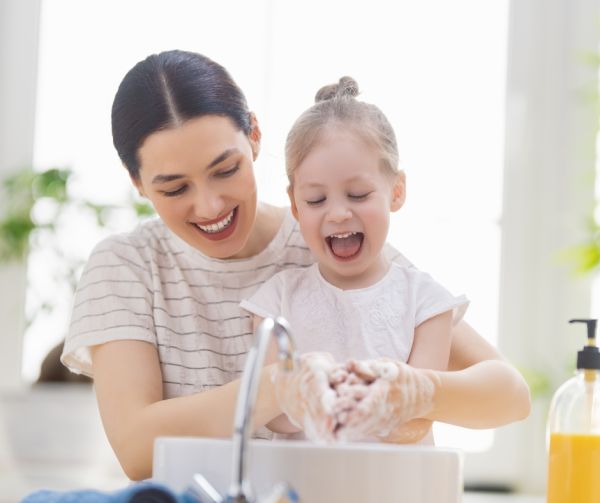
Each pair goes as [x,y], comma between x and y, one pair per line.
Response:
[574,468]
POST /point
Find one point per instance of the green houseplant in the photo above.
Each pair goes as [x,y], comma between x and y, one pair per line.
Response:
[35,206]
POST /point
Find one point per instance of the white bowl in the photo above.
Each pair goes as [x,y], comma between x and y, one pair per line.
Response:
[348,473]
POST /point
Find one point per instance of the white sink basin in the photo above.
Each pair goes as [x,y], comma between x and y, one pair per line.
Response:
[348,473]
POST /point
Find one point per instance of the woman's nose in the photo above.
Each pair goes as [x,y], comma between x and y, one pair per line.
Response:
[208,206]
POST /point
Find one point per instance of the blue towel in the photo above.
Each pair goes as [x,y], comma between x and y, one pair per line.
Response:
[142,492]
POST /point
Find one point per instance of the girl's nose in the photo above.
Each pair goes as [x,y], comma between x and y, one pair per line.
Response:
[339,213]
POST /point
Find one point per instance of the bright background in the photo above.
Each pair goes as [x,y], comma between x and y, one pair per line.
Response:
[416,61]
[490,104]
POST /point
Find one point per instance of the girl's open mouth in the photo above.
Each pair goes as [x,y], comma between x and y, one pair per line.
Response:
[221,229]
[345,246]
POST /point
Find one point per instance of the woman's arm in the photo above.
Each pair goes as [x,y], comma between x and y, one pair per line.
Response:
[281,423]
[128,383]
[480,389]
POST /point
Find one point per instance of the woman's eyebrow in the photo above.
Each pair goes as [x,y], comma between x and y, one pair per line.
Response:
[165,178]
[220,158]
[217,160]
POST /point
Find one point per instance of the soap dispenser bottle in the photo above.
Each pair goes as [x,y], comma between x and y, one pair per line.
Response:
[574,430]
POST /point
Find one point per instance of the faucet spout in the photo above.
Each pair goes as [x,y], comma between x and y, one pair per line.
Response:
[240,490]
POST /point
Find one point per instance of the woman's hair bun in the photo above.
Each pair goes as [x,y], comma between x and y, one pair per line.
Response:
[346,87]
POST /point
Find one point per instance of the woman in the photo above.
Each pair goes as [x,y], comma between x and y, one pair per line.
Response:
[156,318]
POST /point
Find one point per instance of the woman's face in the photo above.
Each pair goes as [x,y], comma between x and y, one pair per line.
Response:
[200,179]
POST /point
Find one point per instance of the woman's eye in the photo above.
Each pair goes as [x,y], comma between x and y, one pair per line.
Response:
[358,197]
[315,202]
[228,172]
[176,192]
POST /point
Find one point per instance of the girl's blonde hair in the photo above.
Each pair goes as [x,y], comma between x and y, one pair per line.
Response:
[336,107]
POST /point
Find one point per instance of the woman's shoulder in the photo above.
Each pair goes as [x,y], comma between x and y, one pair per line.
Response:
[394,256]
[149,236]
[141,250]
[287,247]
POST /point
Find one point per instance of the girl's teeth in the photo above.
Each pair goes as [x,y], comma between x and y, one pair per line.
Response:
[219,226]
[342,236]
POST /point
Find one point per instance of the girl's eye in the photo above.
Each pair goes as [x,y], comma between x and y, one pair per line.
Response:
[358,197]
[229,172]
[315,202]
[175,192]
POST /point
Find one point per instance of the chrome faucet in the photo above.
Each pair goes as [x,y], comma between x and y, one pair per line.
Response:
[240,490]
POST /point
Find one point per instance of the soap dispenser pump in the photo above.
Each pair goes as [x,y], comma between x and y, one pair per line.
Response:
[574,430]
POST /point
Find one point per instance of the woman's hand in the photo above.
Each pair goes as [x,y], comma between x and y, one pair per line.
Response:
[396,393]
[306,397]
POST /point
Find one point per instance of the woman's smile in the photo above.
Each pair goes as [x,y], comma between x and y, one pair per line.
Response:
[219,229]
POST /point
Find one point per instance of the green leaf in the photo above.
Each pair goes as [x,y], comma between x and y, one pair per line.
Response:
[539,382]
[143,209]
[15,230]
[52,183]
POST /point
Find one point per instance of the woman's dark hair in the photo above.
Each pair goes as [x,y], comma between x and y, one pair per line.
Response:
[167,89]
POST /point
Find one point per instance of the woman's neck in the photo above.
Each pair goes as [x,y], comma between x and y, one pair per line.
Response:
[268,221]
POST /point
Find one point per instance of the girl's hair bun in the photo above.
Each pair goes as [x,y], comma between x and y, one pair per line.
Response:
[346,87]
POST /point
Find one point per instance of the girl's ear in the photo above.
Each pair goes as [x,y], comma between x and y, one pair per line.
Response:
[398,192]
[294,208]
[254,136]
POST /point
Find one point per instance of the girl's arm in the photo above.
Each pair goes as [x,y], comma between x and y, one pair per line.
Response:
[480,391]
[430,350]
[480,388]
[128,383]
[431,343]
[402,402]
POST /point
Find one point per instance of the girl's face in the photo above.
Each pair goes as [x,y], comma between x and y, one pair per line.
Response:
[200,179]
[342,201]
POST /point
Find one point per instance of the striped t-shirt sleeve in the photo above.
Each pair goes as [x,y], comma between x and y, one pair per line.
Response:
[113,301]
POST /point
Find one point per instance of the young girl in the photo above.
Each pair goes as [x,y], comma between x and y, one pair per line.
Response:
[342,166]
[156,318]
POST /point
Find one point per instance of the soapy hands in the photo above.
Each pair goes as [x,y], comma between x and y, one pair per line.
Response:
[306,397]
[357,400]
[396,394]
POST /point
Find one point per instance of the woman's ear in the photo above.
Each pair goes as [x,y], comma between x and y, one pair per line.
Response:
[398,192]
[137,183]
[293,207]
[254,136]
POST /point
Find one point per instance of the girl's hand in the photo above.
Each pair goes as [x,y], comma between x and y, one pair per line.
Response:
[396,394]
[306,397]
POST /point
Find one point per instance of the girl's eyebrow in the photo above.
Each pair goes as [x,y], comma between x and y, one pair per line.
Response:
[217,160]
[310,185]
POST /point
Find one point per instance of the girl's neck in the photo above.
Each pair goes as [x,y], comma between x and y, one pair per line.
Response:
[374,273]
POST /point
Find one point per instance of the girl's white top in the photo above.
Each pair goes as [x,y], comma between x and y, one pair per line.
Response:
[371,322]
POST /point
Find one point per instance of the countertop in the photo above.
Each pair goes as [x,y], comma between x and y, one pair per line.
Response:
[501,498]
